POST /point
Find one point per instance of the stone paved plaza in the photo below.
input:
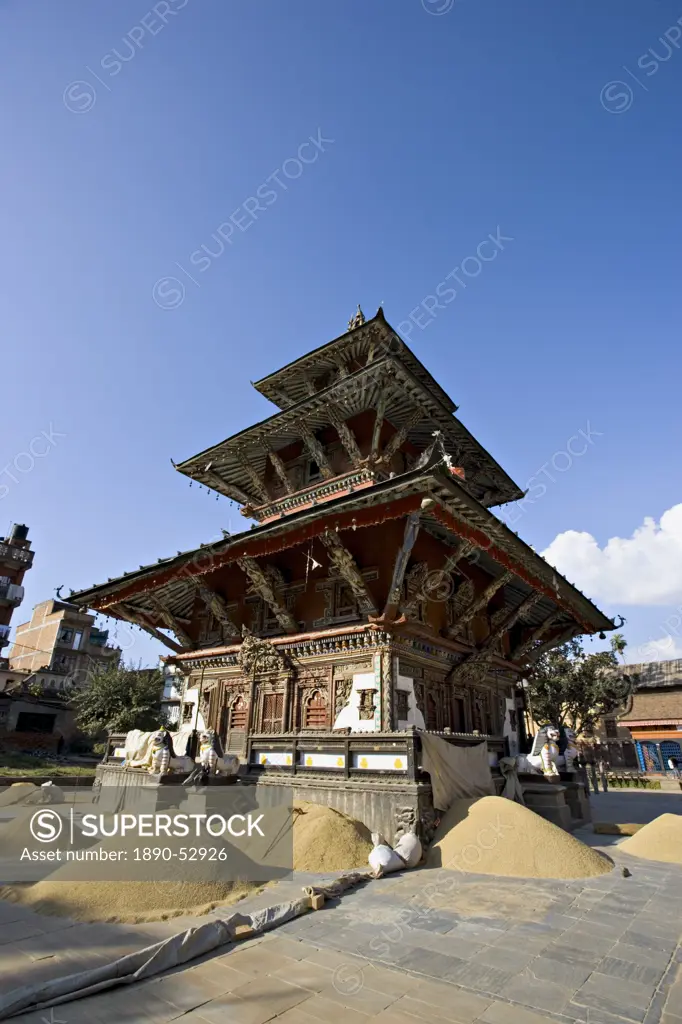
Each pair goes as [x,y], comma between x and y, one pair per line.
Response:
[427,945]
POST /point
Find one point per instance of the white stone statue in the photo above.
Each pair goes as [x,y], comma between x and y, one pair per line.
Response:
[208,755]
[550,753]
[160,753]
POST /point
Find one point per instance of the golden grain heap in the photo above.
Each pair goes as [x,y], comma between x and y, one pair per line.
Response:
[495,836]
[660,840]
[326,840]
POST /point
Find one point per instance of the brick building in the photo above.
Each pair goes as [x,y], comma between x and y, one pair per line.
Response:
[654,723]
[16,558]
[60,646]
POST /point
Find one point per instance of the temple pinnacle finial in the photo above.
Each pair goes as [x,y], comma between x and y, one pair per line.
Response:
[357,321]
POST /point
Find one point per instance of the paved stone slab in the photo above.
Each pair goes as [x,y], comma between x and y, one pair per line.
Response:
[254,1003]
[614,995]
[504,1013]
[629,971]
[538,993]
[508,960]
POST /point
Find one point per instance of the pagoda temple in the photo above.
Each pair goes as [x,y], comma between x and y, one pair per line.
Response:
[375,593]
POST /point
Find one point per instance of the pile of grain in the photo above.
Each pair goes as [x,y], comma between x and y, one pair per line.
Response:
[15,793]
[610,828]
[129,902]
[660,840]
[326,840]
[495,836]
[323,840]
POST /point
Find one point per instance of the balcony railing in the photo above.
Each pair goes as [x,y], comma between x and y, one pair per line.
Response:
[13,593]
[11,553]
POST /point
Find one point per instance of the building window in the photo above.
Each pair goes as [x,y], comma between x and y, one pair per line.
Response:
[77,637]
[312,472]
[315,716]
[187,712]
[458,714]
[273,708]
[402,705]
[366,707]
[65,635]
[431,714]
[611,728]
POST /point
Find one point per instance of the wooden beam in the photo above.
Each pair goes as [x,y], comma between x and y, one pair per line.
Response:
[316,450]
[479,603]
[281,398]
[402,558]
[525,645]
[348,569]
[400,437]
[309,385]
[171,621]
[255,477]
[237,492]
[279,467]
[218,608]
[346,435]
[137,618]
[262,586]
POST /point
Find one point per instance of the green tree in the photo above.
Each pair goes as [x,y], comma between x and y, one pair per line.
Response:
[572,689]
[119,698]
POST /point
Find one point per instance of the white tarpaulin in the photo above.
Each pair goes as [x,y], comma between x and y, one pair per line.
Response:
[169,953]
[457,773]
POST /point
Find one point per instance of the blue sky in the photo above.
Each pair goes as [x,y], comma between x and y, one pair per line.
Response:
[133,131]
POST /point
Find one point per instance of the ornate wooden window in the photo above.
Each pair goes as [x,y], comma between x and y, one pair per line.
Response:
[273,709]
[366,706]
[459,721]
[402,705]
[431,716]
[315,711]
[238,713]
[233,725]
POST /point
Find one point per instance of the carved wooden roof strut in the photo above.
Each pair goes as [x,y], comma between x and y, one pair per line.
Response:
[348,569]
[398,439]
[526,645]
[548,645]
[138,619]
[217,606]
[483,599]
[258,482]
[280,468]
[170,620]
[263,586]
[402,558]
[316,451]
[346,435]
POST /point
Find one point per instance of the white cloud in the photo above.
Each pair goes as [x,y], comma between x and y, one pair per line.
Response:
[656,650]
[644,569]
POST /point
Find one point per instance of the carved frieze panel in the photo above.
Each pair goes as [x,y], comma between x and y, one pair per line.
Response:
[350,668]
[342,692]
[367,705]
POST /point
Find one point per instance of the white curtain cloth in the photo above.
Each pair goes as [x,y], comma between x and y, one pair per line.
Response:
[457,773]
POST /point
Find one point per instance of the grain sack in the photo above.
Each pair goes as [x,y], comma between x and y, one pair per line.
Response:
[660,840]
[494,836]
[409,848]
